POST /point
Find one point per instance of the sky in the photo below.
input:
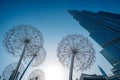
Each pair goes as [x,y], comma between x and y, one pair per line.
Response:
[51,18]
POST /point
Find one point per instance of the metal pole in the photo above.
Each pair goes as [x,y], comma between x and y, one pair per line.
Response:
[27,67]
[71,67]
[15,73]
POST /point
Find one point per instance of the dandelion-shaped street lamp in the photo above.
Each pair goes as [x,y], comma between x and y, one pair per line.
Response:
[21,40]
[75,51]
[37,75]
[9,69]
[34,59]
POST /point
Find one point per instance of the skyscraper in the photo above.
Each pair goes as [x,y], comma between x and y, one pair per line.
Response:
[92,77]
[102,71]
[104,28]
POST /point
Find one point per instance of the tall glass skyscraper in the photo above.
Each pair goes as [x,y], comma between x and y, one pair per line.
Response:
[104,28]
[102,71]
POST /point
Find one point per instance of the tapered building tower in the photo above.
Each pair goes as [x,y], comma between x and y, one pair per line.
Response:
[104,28]
[102,71]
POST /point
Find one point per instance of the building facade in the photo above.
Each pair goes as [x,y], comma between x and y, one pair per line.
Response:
[92,77]
[104,28]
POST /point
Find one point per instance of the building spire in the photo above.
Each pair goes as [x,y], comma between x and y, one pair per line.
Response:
[102,71]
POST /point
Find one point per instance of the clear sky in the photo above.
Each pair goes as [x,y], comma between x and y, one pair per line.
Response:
[54,22]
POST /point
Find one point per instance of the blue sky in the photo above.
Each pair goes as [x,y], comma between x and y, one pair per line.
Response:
[54,22]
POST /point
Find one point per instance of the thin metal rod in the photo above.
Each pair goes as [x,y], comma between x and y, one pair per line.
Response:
[27,67]
[71,67]
[15,73]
